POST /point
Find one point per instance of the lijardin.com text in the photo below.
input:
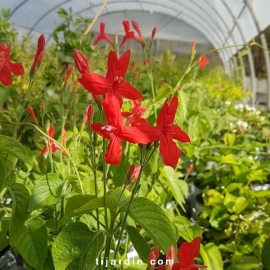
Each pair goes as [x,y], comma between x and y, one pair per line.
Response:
[108,262]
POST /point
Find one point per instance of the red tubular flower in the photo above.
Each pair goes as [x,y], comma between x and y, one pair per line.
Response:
[81,62]
[32,113]
[165,132]
[68,73]
[130,34]
[152,258]
[203,61]
[7,67]
[186,254]
[153,36]
[134,117]
[51,146]
[115,131]
[190,168]
[114,83]
[38,55]
[133,172]
[102,35]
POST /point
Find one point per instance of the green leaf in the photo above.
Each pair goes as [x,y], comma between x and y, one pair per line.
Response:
[186,229]
[154,221]
[2,173]
[163,92]
[77,247]
[181,113]
[10,146]
[178,188]
[3,95]
[139,243]
[75,202]
[47,191]
[265,254]
[32,242]
[230,159]
[245,263]
[211,257]
[20,199]
[240,204]
[244,52]
[112,201]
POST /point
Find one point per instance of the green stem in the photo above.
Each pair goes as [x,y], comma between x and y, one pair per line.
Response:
[105,184]
[28,91]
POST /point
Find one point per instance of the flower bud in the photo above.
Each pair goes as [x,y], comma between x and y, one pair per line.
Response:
[68,73]
[32,114]
[38,56]
[81,62]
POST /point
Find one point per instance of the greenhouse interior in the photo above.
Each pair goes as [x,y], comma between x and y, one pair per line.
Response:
[135,134]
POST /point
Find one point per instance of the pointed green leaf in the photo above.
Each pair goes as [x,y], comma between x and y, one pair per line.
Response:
[139,243]
[265,254]
[163,92]
[211,257]
[20,199]
[2,173]
[75,202]
[10,146]
[32,242]
[77,247]
[47,191]
[186,229]
[178,188]
[230,159]
[154,221]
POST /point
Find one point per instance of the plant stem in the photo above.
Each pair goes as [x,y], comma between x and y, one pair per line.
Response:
[105,184]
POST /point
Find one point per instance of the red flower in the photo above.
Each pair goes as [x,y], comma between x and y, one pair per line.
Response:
[81,62]
[38,55]
[51,146]
[152,258]
[133,172]
[68,73]
[115,131]
[114,83]
[130,34]
[32,113]
[102,35]
[134,117]
[203,61]
[6,67]
[153,36]
[165,132]
[186,254]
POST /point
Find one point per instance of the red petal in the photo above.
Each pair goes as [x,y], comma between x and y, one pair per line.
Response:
[112,112]
[51,131]
[128,91]
[137,28]
[17,69]
[188,251]
[153,133]
[111,63]
[176,133]
[167,113]
[95,83]
[114,152]
[132,135]
[5,76]
[126,26]
[98,128]
[169,151]
[44,150]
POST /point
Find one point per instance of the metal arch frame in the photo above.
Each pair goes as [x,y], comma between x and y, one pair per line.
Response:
[16,8]
[227,28]
[250,58]
[198,15]
[232,37]
[264,44]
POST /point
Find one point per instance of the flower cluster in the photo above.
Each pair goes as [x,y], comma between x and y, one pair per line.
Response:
[185,255]
[111,89]
[7,67]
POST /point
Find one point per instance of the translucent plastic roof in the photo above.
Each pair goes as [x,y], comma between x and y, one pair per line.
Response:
[222,23]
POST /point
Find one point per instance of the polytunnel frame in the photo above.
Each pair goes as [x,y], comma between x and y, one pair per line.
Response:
[197,25]
[265,45]
[250,57]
